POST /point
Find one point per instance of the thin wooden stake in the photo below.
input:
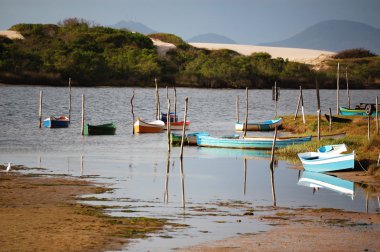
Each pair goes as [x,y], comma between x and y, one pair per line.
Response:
[168,124]
[319,124]
[246,112]
[377,115]
[166,193]
[348,89]
[158,110]
[184,127]
[318,97]
[302,110]
[40,110]
[272,183]
[133,114]
[330,120]
[81,165]
[273,147]
[378,160]
[275,98]
[369,128]
[167,93]
[82,130]
[237,109]
[337,90]
[175,104]
[298,106]
[69,99]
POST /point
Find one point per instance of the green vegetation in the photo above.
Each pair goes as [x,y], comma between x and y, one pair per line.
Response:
[93,55]
[366,152]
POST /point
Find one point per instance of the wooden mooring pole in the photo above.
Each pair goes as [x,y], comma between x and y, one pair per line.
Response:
[337,90]
[237,109]
[319,110]
[298,106]
[82,128]
[184,127]
[69,99]
[168,124]
[330,120]
[40,110]
[348,89]
[175,104]
[302,109]
[133,114]
[157,101]
[246,112]
[377,115]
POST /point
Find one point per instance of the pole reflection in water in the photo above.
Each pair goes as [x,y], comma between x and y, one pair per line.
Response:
[81,165]
[245,175]
[272,182]
[166,193]
[182,183]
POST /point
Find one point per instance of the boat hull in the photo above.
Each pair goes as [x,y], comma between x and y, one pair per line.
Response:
[103,129]
[144,127]
[354,112]
[56,122]
[190,138]
[177,125]
[316,162]
[259,126]
[248,143]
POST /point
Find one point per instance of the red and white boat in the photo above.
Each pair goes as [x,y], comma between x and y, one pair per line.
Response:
[177,125]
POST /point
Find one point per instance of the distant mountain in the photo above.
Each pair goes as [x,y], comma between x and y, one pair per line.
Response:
[211,38]
[134,26]
[335,35]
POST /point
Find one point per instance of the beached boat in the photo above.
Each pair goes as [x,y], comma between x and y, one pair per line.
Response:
[356,112]
[325,162]
[152,127]
[337,119]
[249,142]
[177,125]
[102,129]
[333,149]
[190,138]
[57,122]
[318,180]
[259,126]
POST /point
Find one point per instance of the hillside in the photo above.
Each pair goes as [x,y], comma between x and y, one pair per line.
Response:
[211,38]
[334,35]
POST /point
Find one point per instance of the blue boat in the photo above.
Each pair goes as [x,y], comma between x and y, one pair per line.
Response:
[56,122]
[318,180]
[356,112]
[326,162]
[259,126]
[249,142]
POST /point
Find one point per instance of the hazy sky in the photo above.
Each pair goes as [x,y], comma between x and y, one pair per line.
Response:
[245,21]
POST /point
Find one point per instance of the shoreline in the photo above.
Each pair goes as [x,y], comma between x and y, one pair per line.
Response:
[41,213]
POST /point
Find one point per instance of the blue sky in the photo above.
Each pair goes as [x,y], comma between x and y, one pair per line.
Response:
[245,21]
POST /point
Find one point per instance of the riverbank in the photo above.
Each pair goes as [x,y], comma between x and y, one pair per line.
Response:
[40,213]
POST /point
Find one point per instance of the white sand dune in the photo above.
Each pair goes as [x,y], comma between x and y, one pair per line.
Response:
[307,56]
[11,34]
[163,47]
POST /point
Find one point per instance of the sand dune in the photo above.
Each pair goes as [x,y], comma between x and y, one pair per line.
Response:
[307,56]
[11,34]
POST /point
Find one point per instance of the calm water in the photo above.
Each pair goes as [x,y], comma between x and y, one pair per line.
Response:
[137,166]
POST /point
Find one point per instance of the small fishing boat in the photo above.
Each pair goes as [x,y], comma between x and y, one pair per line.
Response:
[326,162]
[356,111]
[337,119]
[152,127]
[190,138]
[177,125]
[57,122]
[317,180]
[249,142]
[173,117]
[259,126]
[102,129]
[333,149]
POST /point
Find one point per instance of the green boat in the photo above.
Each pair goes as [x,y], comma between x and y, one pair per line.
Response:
[190,138]
[102,129]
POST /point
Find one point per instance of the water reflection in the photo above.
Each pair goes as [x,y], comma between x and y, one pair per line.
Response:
[317,180]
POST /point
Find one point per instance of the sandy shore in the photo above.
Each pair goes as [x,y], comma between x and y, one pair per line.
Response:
[40,214]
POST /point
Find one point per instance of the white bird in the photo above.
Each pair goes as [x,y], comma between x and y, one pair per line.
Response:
[8,167]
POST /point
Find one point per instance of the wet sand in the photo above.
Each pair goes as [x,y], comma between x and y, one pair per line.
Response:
[40,214]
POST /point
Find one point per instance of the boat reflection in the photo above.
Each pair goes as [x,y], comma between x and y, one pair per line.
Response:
[225,152]
[317,180]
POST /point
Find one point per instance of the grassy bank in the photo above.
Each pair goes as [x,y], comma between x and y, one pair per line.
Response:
[356,138]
